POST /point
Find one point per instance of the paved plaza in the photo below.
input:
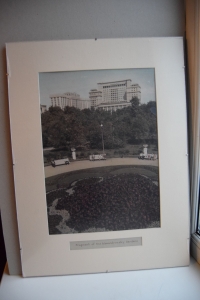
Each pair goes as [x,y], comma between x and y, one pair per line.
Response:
[86,164]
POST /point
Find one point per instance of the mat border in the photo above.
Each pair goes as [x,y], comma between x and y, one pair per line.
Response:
[43,254]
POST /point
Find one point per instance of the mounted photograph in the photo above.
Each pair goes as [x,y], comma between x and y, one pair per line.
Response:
[98,187]
[100,150]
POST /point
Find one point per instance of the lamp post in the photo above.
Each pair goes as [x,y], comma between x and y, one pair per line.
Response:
[102,137]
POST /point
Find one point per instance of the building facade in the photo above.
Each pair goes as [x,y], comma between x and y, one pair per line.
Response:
[69,99]
[114,95]
[109,96]
[133,91]
[112,106]
[95,97]
[114,91]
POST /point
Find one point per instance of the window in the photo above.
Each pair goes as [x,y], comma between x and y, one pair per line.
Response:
[193,52]
[198,218]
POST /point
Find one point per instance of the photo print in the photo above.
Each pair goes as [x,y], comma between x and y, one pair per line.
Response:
[100,149]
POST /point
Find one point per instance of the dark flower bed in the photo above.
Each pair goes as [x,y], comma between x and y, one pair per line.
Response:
[119,202]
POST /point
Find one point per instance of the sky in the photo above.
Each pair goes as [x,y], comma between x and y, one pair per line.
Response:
[81,82]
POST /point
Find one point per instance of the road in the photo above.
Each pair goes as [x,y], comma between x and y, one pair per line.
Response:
[86,164]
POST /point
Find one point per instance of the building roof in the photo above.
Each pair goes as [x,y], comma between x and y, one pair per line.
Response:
[114,81]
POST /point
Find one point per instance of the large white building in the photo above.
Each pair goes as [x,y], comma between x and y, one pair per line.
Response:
[114,95]
[95,97]
[132,91]
[109,96]
[69,99]
[114,91]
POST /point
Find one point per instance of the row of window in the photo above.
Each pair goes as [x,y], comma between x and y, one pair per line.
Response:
[114,85]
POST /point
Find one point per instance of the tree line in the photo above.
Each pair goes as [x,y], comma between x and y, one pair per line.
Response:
[83,129]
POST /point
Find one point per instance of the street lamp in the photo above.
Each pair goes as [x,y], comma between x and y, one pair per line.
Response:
[102,137]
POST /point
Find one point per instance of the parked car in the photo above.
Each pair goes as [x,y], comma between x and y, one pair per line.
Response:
[148,156]
[59,162]
[97,157]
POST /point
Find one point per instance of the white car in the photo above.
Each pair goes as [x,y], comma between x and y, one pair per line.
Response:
[148,156]
[97,157]
[58,162]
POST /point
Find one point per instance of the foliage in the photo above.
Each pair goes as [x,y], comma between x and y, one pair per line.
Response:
[82,129]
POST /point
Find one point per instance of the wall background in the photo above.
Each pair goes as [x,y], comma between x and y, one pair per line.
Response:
[39,20]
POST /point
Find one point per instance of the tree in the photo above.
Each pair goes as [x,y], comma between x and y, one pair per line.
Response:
[135,102]
[81,128]
[53,127]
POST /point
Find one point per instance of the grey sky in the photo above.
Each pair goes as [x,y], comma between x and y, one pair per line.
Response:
[81,82]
